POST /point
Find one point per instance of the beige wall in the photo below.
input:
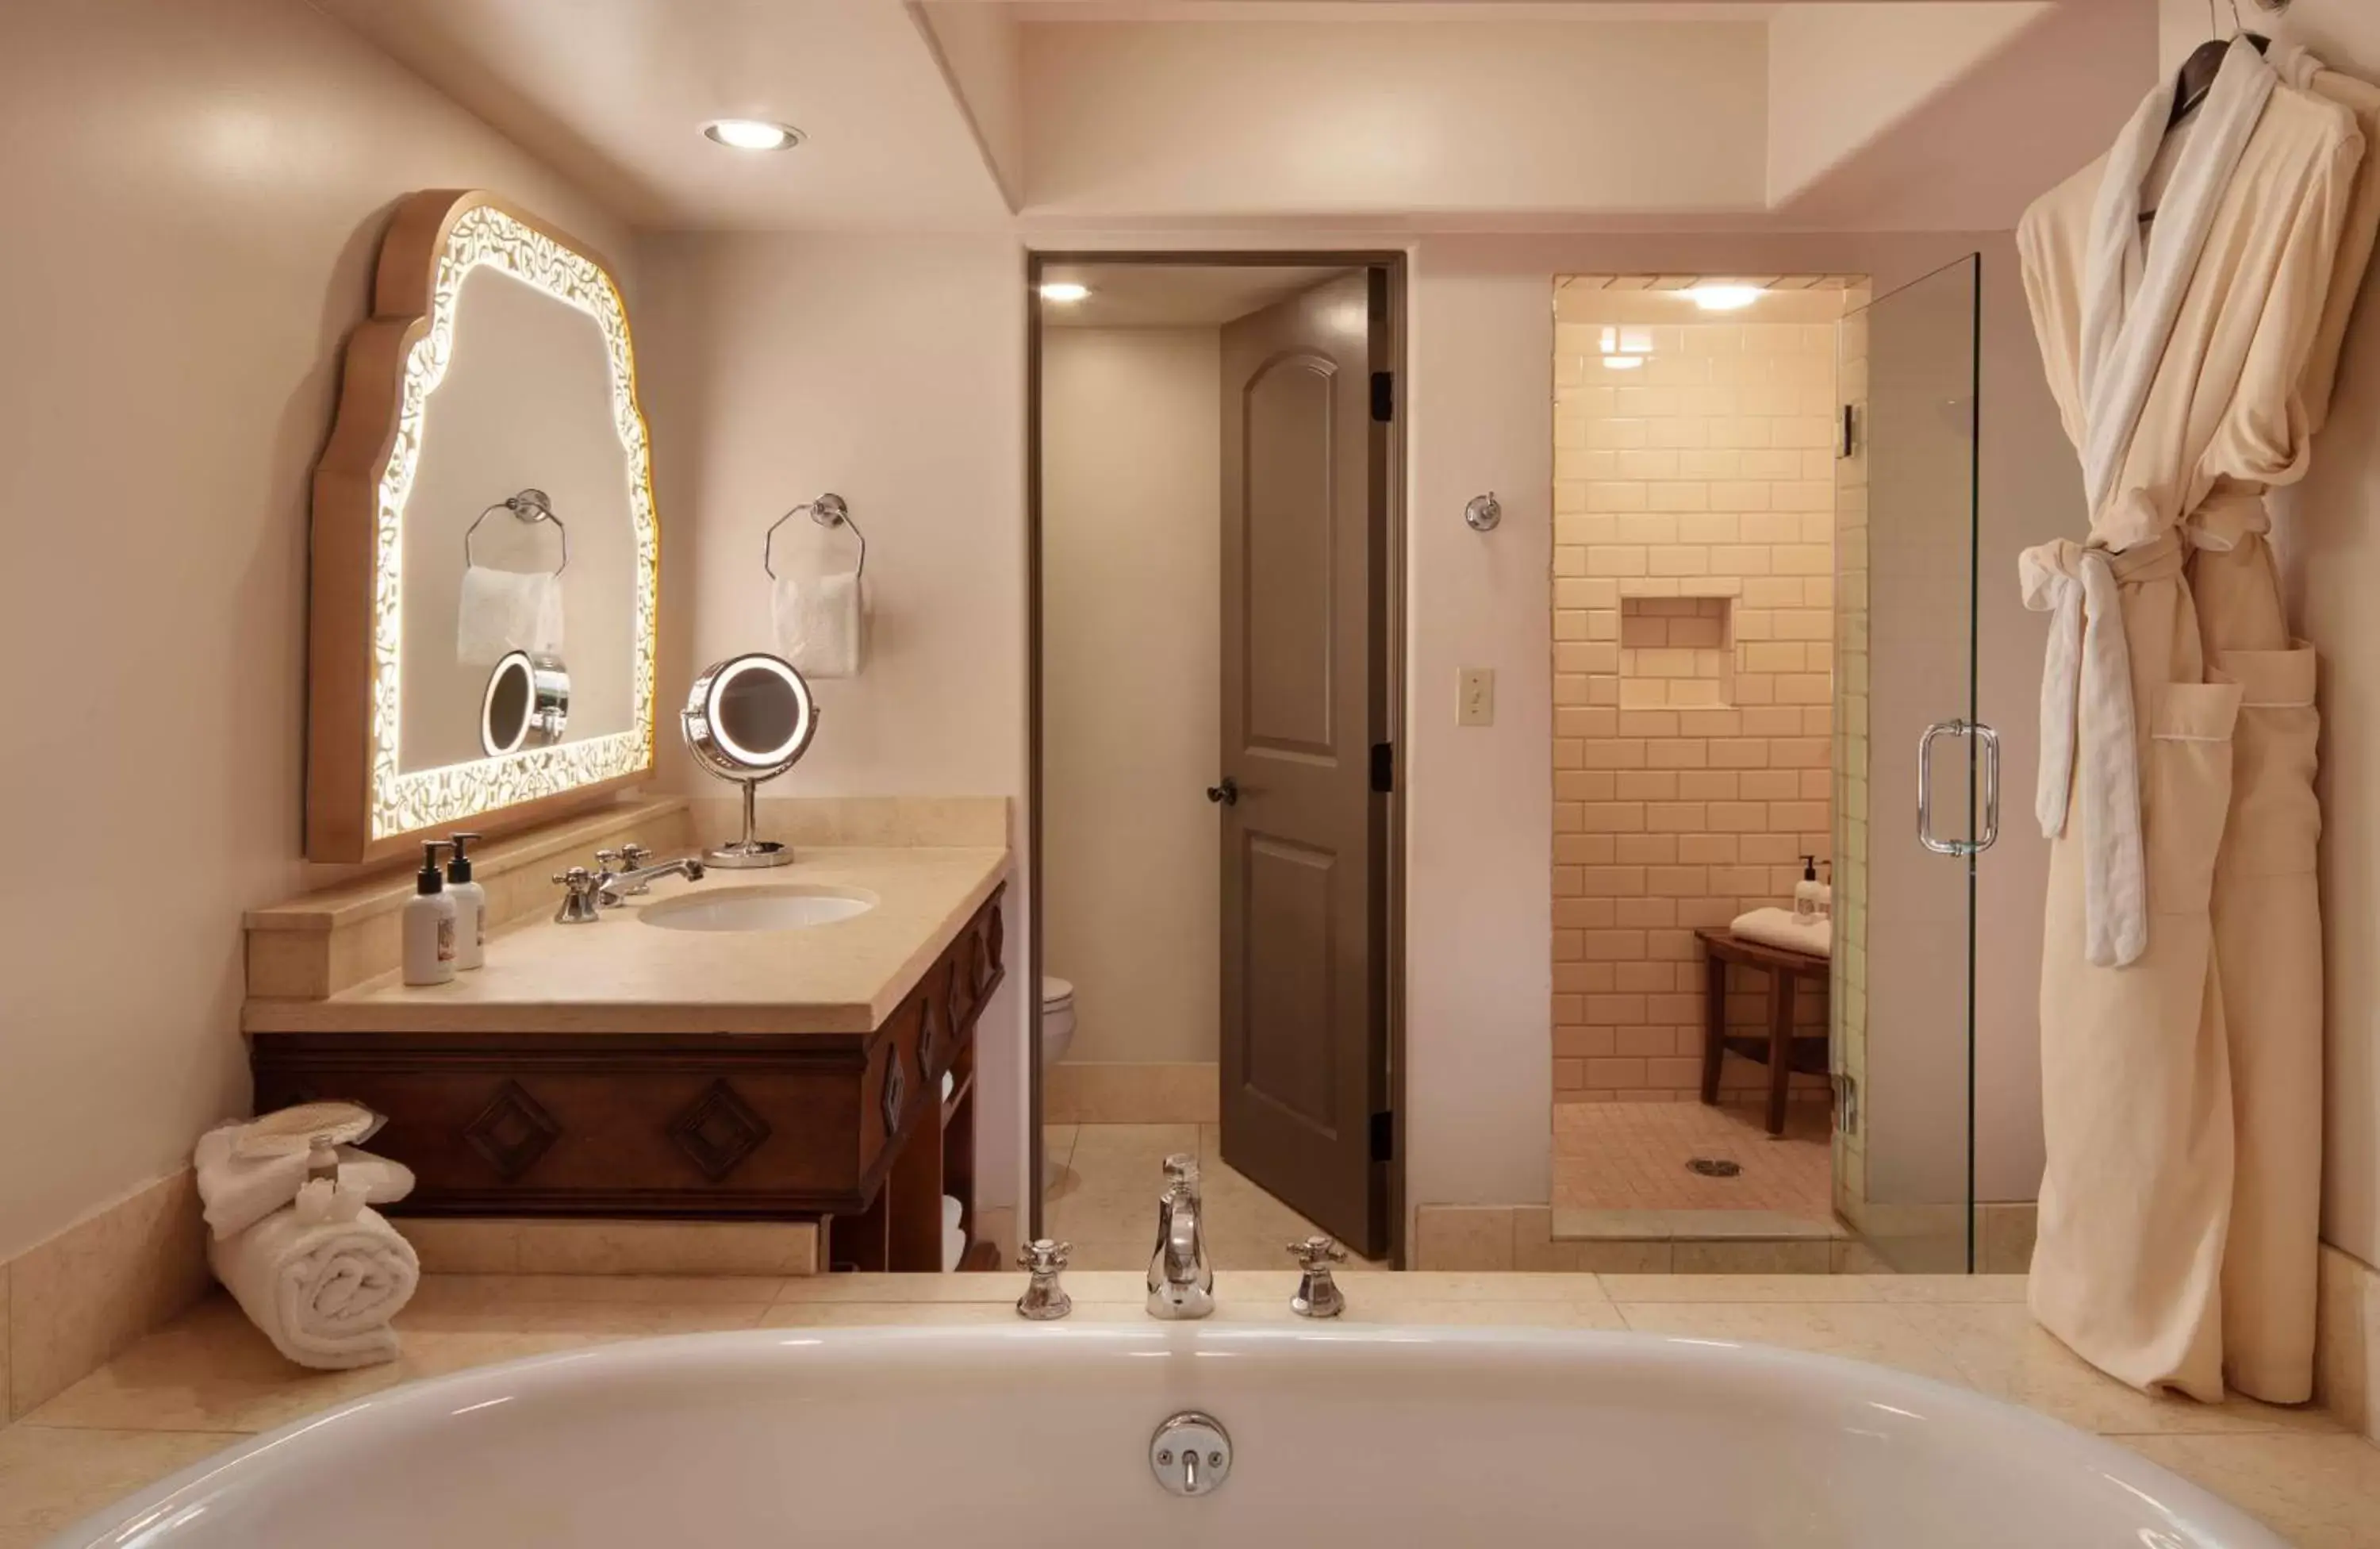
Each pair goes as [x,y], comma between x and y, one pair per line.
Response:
[2332,553]
[1693,604]
[195,197]
[891,371]
[1130,557]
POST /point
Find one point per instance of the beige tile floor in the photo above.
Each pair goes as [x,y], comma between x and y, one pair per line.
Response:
[208,1380]
[1633,1156]
[1106,1203]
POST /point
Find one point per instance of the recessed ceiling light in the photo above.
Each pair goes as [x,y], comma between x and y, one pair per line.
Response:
[1064,292]
[752,134]
[1724,298]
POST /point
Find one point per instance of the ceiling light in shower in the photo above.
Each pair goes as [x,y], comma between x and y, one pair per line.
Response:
[1724,298]
[751,134]
[1064,292]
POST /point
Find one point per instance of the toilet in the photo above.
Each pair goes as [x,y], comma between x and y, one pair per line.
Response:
[1057,1036]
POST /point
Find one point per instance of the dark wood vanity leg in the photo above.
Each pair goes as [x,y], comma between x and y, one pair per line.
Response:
[915,1193]
[859,1242]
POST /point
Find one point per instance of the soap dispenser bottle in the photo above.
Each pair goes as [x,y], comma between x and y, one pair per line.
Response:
[429,924]
[1806,893]
[471,905]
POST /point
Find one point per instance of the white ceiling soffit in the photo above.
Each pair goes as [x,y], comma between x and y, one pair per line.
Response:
[1174,295]
[615,93]
[1205,115]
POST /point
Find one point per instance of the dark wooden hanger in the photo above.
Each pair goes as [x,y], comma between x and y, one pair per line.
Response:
[2205,61]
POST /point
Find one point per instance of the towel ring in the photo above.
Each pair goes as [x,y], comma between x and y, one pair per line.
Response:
[827,510]
[529,505]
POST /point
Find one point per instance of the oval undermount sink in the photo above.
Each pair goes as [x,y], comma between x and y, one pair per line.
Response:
[757,909]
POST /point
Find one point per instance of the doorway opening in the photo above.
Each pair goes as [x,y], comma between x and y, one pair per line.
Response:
[1215,504]
[1763,573]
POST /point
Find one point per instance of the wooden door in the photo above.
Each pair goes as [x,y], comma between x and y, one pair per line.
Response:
[1303,854]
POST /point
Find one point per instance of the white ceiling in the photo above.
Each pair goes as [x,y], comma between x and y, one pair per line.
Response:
[1174,295]
[1395,114]
[615,93]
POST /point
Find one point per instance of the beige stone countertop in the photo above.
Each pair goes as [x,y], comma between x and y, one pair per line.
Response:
[208,1380]
[621,975]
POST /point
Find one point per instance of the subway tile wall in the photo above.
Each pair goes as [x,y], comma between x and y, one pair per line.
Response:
[1693,601]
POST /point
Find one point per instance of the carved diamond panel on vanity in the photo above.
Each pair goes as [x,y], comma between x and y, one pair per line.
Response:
[512,1132]
[718,1131]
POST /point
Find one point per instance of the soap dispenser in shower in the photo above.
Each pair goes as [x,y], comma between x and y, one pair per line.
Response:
[1807,892]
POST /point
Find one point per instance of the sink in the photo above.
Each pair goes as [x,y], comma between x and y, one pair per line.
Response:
[757,909]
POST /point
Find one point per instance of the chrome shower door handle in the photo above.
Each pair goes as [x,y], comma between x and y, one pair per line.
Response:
[1988,829]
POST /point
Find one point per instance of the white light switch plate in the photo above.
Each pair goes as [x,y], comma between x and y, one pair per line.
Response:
[1477,705]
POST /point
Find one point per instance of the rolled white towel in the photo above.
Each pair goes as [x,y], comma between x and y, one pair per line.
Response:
[821,622]
[240,1192]
[503,611]
[1777,927]
[321,1278]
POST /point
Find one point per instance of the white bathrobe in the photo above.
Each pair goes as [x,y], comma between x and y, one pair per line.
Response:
[2181,999]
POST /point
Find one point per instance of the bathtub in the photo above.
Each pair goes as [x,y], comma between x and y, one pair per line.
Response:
[1040,1437]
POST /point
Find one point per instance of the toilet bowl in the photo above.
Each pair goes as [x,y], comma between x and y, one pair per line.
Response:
[1057,1036]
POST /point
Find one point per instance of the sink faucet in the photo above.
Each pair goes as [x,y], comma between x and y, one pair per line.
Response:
[614,884]
[1181,1280]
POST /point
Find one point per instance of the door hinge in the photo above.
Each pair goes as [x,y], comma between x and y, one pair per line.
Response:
[1847,440]
[1384,767]
[1384,1137]
[1847,1102]
[1384,396]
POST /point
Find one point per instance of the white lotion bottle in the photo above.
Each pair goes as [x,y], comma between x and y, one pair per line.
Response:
[1806,893]
[429,923]
[471,905]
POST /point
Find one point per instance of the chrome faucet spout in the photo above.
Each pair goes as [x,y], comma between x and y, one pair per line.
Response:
[1181,1278]
[612,887]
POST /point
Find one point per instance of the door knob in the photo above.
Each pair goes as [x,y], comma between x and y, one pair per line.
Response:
[1227,794]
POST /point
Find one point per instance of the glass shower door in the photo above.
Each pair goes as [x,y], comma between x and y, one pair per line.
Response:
[1917,779]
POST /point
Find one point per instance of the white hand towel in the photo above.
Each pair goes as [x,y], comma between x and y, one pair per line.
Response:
[321,1278]
[1777,927]
[238,1191]
[502,611]
[821,623]
[953,1248]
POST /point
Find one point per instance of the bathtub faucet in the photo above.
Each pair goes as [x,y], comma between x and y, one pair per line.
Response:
[1181,1280]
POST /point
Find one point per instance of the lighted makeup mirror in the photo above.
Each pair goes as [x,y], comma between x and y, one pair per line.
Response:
[486,496]
[527,704]
[749,718]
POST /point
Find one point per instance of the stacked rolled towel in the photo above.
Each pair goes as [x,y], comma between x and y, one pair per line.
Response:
[309,1262]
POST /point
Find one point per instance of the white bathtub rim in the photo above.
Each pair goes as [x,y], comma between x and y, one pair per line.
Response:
[2189,1507]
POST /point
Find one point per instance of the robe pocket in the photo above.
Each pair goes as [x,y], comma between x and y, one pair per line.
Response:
[2275,821]
[2186,797]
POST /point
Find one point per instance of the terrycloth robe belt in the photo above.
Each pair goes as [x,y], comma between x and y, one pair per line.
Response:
[2086,698]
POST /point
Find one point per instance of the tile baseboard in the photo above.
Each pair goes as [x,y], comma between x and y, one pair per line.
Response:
[1121,1093]
[495,1245]
[71,1304]
[2347,1341]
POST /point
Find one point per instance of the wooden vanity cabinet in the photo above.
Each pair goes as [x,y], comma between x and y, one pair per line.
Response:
[851,1129]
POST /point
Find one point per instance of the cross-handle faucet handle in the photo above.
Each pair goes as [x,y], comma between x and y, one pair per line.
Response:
[1181,1168]
[1319,1252]
[578,884]
[636,854]
[609,860]
[1044,1298]
[1318,1295]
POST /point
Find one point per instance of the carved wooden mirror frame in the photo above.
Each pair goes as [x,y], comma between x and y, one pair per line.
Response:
[361,804]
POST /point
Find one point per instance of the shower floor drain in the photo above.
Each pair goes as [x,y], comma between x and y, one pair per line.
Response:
[1714,1166]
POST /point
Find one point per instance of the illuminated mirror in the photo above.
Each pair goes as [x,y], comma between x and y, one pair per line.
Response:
[486,551]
